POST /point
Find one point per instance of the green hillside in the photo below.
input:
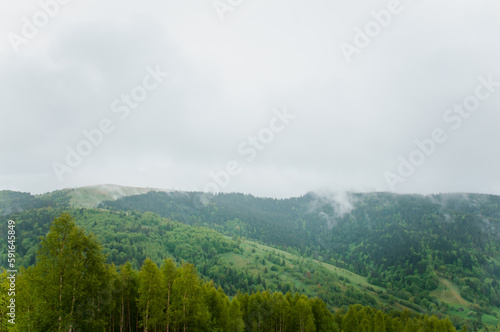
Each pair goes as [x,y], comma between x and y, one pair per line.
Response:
[72,288]
[233,264]
[428,254]
[91,196]
[403,243]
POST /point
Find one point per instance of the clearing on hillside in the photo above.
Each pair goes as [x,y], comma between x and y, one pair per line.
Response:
[449,293]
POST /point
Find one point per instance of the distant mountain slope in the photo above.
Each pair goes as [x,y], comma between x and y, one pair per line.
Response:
[87,197]
[13,202]
[91,196]
[436,253]
[403,242]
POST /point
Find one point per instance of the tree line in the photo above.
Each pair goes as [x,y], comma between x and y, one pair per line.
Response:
[72,288]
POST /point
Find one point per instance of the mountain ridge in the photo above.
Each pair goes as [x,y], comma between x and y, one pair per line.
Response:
[432,253]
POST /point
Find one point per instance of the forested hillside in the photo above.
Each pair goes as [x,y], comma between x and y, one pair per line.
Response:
[409,244]
[12,202]
[233,264]
[429,254]
[72,288]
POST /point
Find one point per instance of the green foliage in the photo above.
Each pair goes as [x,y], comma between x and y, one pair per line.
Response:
[5,297]
[430,254]
[71,288]
[402,242]
[67,288]
[150,296]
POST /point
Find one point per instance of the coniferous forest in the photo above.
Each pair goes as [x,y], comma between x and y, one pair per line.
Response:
[72,288]
[191,262]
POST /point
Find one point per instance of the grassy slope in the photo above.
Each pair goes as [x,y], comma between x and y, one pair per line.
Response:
[253,261]
[447,291]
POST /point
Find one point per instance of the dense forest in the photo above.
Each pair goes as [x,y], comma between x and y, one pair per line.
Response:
[72,288]
[133,238]
[425,255]
[402,242]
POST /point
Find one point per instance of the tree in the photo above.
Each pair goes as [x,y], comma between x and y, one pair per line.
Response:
[303,312]
[350,321]
[235,317]
[128,281]
[150,295]
[323,318]
[69,283]
[5,301]
[218,306]
[189,307]
[280,310]
[379,323]
[169,274]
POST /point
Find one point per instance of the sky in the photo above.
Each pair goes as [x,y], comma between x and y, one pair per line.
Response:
[272,98]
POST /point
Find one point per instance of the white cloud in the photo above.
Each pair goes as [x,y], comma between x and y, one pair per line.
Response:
[226,77]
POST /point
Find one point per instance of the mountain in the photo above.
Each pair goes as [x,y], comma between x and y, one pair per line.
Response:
[86,197]
[431,254]
[412,245]
[91,196]
[71,287]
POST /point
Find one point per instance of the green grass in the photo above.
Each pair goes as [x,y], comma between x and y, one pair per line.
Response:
[253,262]
[449,293]
[254,253]
[353,277]
[466,314]
[491,320]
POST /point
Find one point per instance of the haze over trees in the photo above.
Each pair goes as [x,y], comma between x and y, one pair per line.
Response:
[387,263]
[71,288]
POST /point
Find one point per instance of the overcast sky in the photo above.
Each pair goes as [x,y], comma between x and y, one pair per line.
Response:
[281,96]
